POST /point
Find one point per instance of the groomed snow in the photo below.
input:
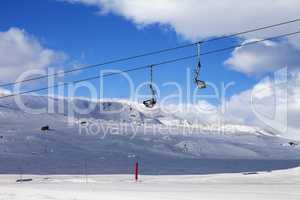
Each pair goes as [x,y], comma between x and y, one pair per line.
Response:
[276,185]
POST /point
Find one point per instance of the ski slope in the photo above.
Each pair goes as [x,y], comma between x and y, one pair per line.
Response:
[276,185]
[25,149]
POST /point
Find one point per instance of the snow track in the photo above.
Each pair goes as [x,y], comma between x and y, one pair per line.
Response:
[276,185]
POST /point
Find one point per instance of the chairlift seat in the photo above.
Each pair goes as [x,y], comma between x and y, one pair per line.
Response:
[201,84]
[83,123]
[45,128]
[150,103]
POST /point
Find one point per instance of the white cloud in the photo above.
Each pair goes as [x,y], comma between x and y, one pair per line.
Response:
[272,104]
[196,19]
[20,51]
[277,102]
[264,57]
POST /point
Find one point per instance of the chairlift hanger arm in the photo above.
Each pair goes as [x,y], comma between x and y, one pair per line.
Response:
[151,81]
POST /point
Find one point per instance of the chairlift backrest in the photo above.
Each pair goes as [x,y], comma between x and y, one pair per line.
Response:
[151,102]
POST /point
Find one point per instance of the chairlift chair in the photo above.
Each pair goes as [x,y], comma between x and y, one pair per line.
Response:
[150,103]
[200,84]
[45,128]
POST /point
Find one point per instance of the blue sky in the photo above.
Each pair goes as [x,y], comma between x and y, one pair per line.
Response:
[89,38]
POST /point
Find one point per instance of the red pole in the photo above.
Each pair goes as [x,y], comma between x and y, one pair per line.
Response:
[136,171]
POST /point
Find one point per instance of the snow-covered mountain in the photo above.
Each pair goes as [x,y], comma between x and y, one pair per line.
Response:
[116,111]
[163,142]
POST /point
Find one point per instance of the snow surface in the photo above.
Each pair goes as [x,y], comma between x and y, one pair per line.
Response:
[276,185]
[63,150]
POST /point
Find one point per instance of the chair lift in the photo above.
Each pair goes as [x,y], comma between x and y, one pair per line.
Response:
[150,103]
[200,84]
